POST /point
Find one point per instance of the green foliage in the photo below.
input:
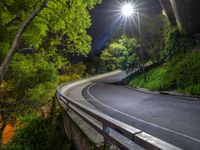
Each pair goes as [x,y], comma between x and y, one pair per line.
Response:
[175,42]
[73,72]
[3,50]
[39,134]
[12,14]
[79,68]
[182,74]
[155,79]
[181,71]
[59,29]
[120,54]
[67,78]
[55,34]
[193,89]
[32,78]
[185,71]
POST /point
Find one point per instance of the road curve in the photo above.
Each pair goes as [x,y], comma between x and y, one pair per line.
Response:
[173,119]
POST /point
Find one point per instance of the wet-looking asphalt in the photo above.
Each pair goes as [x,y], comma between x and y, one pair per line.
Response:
[173,119]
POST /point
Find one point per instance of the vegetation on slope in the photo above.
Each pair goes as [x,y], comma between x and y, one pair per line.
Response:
[181,69]
[182,75]
[174,54]
[155,79]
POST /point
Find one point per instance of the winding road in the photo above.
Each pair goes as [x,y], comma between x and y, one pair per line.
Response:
[173,119]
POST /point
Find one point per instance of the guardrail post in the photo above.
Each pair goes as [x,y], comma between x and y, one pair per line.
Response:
[116,134]
[66,108]
[106,131]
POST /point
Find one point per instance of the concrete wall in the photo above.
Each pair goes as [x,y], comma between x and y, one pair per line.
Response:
[187,13]
[77,132]
[166,5]
[184,13]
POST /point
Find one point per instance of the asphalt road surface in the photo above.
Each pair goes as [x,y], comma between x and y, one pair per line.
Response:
[175,120]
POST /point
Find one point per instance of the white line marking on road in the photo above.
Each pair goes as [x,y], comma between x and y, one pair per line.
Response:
[163,128]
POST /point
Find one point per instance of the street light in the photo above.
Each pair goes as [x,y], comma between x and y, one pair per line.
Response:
[127,10]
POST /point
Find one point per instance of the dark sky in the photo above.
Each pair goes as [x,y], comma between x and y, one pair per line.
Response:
[105,20]
[102,16]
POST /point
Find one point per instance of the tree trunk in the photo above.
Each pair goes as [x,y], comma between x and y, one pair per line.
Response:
[53,109]
[8,58]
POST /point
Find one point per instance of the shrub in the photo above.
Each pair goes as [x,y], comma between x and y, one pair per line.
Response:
[34,80]
[155,79]
[175,43]
[38,134]
[182,73]
[185,71]
[67,78]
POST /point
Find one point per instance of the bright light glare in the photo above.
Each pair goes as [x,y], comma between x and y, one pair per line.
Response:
[127,10]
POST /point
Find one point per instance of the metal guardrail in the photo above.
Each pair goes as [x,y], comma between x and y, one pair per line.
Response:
[118,133]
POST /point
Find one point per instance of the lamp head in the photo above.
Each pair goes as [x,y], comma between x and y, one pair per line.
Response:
[127,10]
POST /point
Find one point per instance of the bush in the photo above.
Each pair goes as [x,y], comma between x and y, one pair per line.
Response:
[191,90]
[181,73]
[67,78]
[185,71]
[31,73]
[120,54]
[182,69]
[194,90]
[73,72]
[155,79]
[175,43]
[38,134]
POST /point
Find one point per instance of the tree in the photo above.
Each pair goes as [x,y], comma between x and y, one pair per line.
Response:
[68,20]
[8,58]
[34,79]
[120,54]
[36,36]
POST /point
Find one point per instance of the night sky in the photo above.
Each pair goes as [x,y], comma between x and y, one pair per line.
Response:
[105,20]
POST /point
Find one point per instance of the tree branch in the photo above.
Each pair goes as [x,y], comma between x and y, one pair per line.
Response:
[8,58]
[34,5]
[57,14]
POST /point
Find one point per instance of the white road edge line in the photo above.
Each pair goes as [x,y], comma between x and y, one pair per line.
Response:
[163,128]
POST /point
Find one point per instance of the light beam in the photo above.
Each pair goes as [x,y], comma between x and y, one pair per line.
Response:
[127,10]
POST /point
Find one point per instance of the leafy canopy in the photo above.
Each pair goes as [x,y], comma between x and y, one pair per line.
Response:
[58,31]
[33,78]
[62,22]
[120,54]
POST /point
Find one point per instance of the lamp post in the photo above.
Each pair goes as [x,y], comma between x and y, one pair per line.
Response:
[141,47]
[128,10]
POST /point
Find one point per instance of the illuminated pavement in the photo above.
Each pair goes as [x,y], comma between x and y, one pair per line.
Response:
[173,119]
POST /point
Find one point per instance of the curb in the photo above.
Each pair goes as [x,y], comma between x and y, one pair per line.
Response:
[190,97]
[64,86]
[140,138]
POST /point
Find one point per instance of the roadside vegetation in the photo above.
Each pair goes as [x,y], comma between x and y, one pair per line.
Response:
[181,74]
[174,58]
[39,44]
[44,43]
[35,132]
[180,71]
[120,54]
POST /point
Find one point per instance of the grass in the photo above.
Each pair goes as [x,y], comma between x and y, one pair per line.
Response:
[163,78]
[190,90]
[155,79]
